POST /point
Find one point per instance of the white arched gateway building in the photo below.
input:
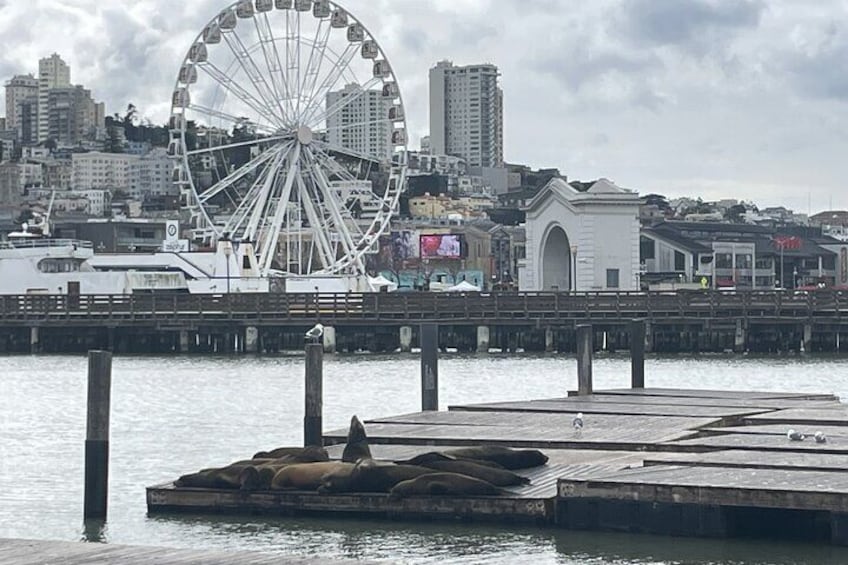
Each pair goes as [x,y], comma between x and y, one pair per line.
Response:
[593,233]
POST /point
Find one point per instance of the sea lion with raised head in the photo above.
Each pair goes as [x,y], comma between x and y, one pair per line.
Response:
[510,459]
[305,476]
[357,447]
[444,484]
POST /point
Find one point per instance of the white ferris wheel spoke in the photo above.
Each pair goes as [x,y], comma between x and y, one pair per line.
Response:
[313,68]
[340,67]
[333,166]
[265,201]
[257,78]
[246,97]
[235,176]
[341,215]
[257,141]
[317,225]
[272,235]
[243,210]
[344,151]
[342,103]
[272,61]
[217,114]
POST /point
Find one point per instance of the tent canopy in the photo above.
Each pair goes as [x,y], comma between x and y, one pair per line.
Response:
[464,286]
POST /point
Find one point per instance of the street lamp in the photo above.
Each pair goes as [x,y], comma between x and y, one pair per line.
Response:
[228,252]
[574,268]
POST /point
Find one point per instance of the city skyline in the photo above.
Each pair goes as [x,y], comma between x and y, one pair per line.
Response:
[743,100]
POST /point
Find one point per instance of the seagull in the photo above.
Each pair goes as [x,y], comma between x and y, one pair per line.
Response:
[792,435]
[315,333]
[820,437]
[577,422]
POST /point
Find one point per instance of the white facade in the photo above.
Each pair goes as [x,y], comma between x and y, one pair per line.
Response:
[466,113]
[106,171]
[19,89]
[582,241]
[53,72]
[152,175]
[362,124]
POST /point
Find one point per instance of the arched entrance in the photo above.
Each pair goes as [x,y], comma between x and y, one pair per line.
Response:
[556,261]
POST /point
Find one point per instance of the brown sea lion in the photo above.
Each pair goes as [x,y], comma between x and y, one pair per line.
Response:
[497,477]
[372,477]
[258,477]
[434,455]
[511,459]
[305,476]
[444,484]
[313,454]
[357,447]
[225,478]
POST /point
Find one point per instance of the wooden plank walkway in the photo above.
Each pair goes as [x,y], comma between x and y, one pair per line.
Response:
[32,552]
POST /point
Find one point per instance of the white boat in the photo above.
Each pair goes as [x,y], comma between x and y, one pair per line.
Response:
[32,263]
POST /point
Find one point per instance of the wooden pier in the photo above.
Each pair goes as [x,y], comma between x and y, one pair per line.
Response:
[702,321]
[679,462]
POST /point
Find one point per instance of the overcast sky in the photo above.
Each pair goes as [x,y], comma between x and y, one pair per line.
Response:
[731,98]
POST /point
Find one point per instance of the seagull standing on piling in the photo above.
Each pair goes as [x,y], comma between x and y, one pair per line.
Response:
[577,423]
[315,334]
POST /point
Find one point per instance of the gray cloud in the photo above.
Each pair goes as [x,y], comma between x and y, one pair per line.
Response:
[680,96]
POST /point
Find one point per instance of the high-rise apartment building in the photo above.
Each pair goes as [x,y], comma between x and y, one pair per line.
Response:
[20,88]
[466,113]
[71,116]
[362,124]
[53,72]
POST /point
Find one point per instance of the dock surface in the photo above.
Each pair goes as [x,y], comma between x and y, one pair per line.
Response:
[682,462]
[32,552]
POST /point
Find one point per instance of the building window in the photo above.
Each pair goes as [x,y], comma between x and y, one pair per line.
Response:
[679,262]
[764,263]
[647,249]
[744,261]
[724,260]
[613,276]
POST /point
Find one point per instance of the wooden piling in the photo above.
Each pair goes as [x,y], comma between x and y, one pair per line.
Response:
[313,424]
[637,354]
[430,367]
[585,344]
[97,435]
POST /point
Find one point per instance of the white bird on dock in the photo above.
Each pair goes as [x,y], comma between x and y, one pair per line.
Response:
[793,435]
[315,333]
[820,437]
[577,422]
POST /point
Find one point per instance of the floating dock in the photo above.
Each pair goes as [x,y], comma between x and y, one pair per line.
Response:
[661,461]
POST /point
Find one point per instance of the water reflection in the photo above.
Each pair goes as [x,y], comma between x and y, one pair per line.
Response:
[94,531]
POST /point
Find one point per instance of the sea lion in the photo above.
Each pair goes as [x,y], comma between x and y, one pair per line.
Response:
[436,455]
[468,467]
[511,459]
[313,454]
[258,477]
[357,447]
[225,478]
[372,477]
[305,476]
[444,484]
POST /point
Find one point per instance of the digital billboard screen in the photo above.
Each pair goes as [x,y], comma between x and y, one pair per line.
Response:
[443,246]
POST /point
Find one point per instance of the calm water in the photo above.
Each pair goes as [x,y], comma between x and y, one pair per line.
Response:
[172,415]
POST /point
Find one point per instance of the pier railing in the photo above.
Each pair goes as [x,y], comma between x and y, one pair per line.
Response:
[399,308]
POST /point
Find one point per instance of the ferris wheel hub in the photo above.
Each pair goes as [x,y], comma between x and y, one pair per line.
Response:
[305,135]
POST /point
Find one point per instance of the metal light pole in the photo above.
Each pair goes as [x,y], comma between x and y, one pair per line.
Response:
[574,268]
[228,252]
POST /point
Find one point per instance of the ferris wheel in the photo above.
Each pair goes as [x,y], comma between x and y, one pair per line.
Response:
[288,131]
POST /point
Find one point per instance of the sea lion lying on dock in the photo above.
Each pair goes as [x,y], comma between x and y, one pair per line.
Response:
[318,454]
[370,476]
[306,476]
[444,484]
[510,459]
[357,447]
[471,468]
[235,475]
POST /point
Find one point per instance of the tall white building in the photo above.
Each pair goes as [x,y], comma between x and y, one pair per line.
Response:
[19,89]
[466,113]
[362,125]
[153,175]
[53,72]
[103,171]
